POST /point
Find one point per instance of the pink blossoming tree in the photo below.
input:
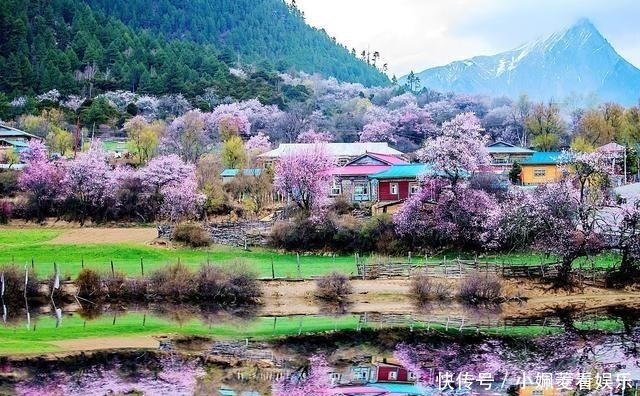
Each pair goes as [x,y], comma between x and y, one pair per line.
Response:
[314,380]
[459,149]
[312,136]
[41,179]
[304,176]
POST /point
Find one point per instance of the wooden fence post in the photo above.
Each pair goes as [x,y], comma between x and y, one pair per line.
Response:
[298,263]
[273,269]
[141,266]
[33,264]
[113,272]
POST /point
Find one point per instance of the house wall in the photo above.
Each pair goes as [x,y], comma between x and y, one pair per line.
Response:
[347,187]
[552,174]
[384,190]
[383,374]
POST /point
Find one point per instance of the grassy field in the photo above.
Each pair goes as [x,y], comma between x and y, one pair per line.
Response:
[42,335]
[22,246]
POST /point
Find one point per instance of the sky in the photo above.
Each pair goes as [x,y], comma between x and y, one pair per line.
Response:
[418,34]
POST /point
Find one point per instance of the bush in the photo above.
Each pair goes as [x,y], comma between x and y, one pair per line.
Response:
[14,289]
[135,288]
[235,284]
[302,234]
[423,288]
[192,234]
[483,288]
[334,287]
[89,283]
[175,282]
[6,212]
[8,183]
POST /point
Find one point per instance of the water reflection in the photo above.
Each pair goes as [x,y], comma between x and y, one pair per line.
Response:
[402,354]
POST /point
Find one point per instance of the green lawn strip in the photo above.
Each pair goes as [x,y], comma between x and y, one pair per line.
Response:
[21,246]
[25,237]
[126,259]
[16,339]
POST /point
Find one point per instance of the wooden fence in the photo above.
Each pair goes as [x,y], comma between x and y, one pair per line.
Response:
[459,268]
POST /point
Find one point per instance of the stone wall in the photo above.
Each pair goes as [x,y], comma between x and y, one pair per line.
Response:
[234,233]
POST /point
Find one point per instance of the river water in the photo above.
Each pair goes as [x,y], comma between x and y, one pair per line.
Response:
[208,351]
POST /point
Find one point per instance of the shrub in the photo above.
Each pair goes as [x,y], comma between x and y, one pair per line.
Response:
[302,234]
[135,288]
[423,288]
[175,282]
[483,288]
[14,288]
[89,283]
[6,212]
[333,287]
[113,284]
[235,284]
[192,234]
[8,183]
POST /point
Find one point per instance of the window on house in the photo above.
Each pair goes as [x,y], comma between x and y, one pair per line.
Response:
[361,189]
[537,392]
[336,187]
[413,188]
[393,188]
[393,375]
[540,172]
[412,376]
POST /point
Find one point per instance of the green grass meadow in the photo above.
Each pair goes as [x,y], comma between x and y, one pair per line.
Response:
[24,246]
[21,247]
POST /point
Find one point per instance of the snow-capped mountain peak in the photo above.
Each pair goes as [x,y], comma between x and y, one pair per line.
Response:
[576,60]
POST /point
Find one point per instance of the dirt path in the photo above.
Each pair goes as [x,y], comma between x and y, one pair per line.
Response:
[90,235]
[102,343]
[393,296]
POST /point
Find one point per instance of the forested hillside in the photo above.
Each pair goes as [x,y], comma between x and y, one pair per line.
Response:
[65,45]
[268,32]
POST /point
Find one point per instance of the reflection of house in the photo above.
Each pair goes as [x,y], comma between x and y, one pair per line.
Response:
[230,174]
[352,180]
[341,152]
[541,168]
[537,391]
[503,155]
[387,372]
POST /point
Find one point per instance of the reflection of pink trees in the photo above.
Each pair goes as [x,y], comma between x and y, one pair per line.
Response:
[312,381]
[176,377]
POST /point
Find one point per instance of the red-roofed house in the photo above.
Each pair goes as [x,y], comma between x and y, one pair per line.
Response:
[352,180]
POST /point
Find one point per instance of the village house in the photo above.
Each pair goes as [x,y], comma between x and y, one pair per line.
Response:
[12,138]
[541,168]
[342,153]
[352,181]
[396,184]
[229,174]
[502,155]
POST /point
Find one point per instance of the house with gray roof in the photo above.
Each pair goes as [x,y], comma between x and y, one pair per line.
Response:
[343,153]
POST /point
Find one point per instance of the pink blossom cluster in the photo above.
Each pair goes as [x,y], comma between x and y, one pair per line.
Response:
[312,381]
[304,176]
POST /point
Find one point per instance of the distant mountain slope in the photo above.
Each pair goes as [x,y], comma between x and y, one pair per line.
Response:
[260,31]
[578,60]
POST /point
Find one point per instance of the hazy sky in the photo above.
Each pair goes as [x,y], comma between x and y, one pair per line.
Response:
[417,34]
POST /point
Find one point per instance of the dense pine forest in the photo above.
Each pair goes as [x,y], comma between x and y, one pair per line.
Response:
[164,47]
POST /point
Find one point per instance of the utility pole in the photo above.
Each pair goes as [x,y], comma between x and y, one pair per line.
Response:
[76,138]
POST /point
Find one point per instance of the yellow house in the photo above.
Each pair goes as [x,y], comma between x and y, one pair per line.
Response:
[541,168]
